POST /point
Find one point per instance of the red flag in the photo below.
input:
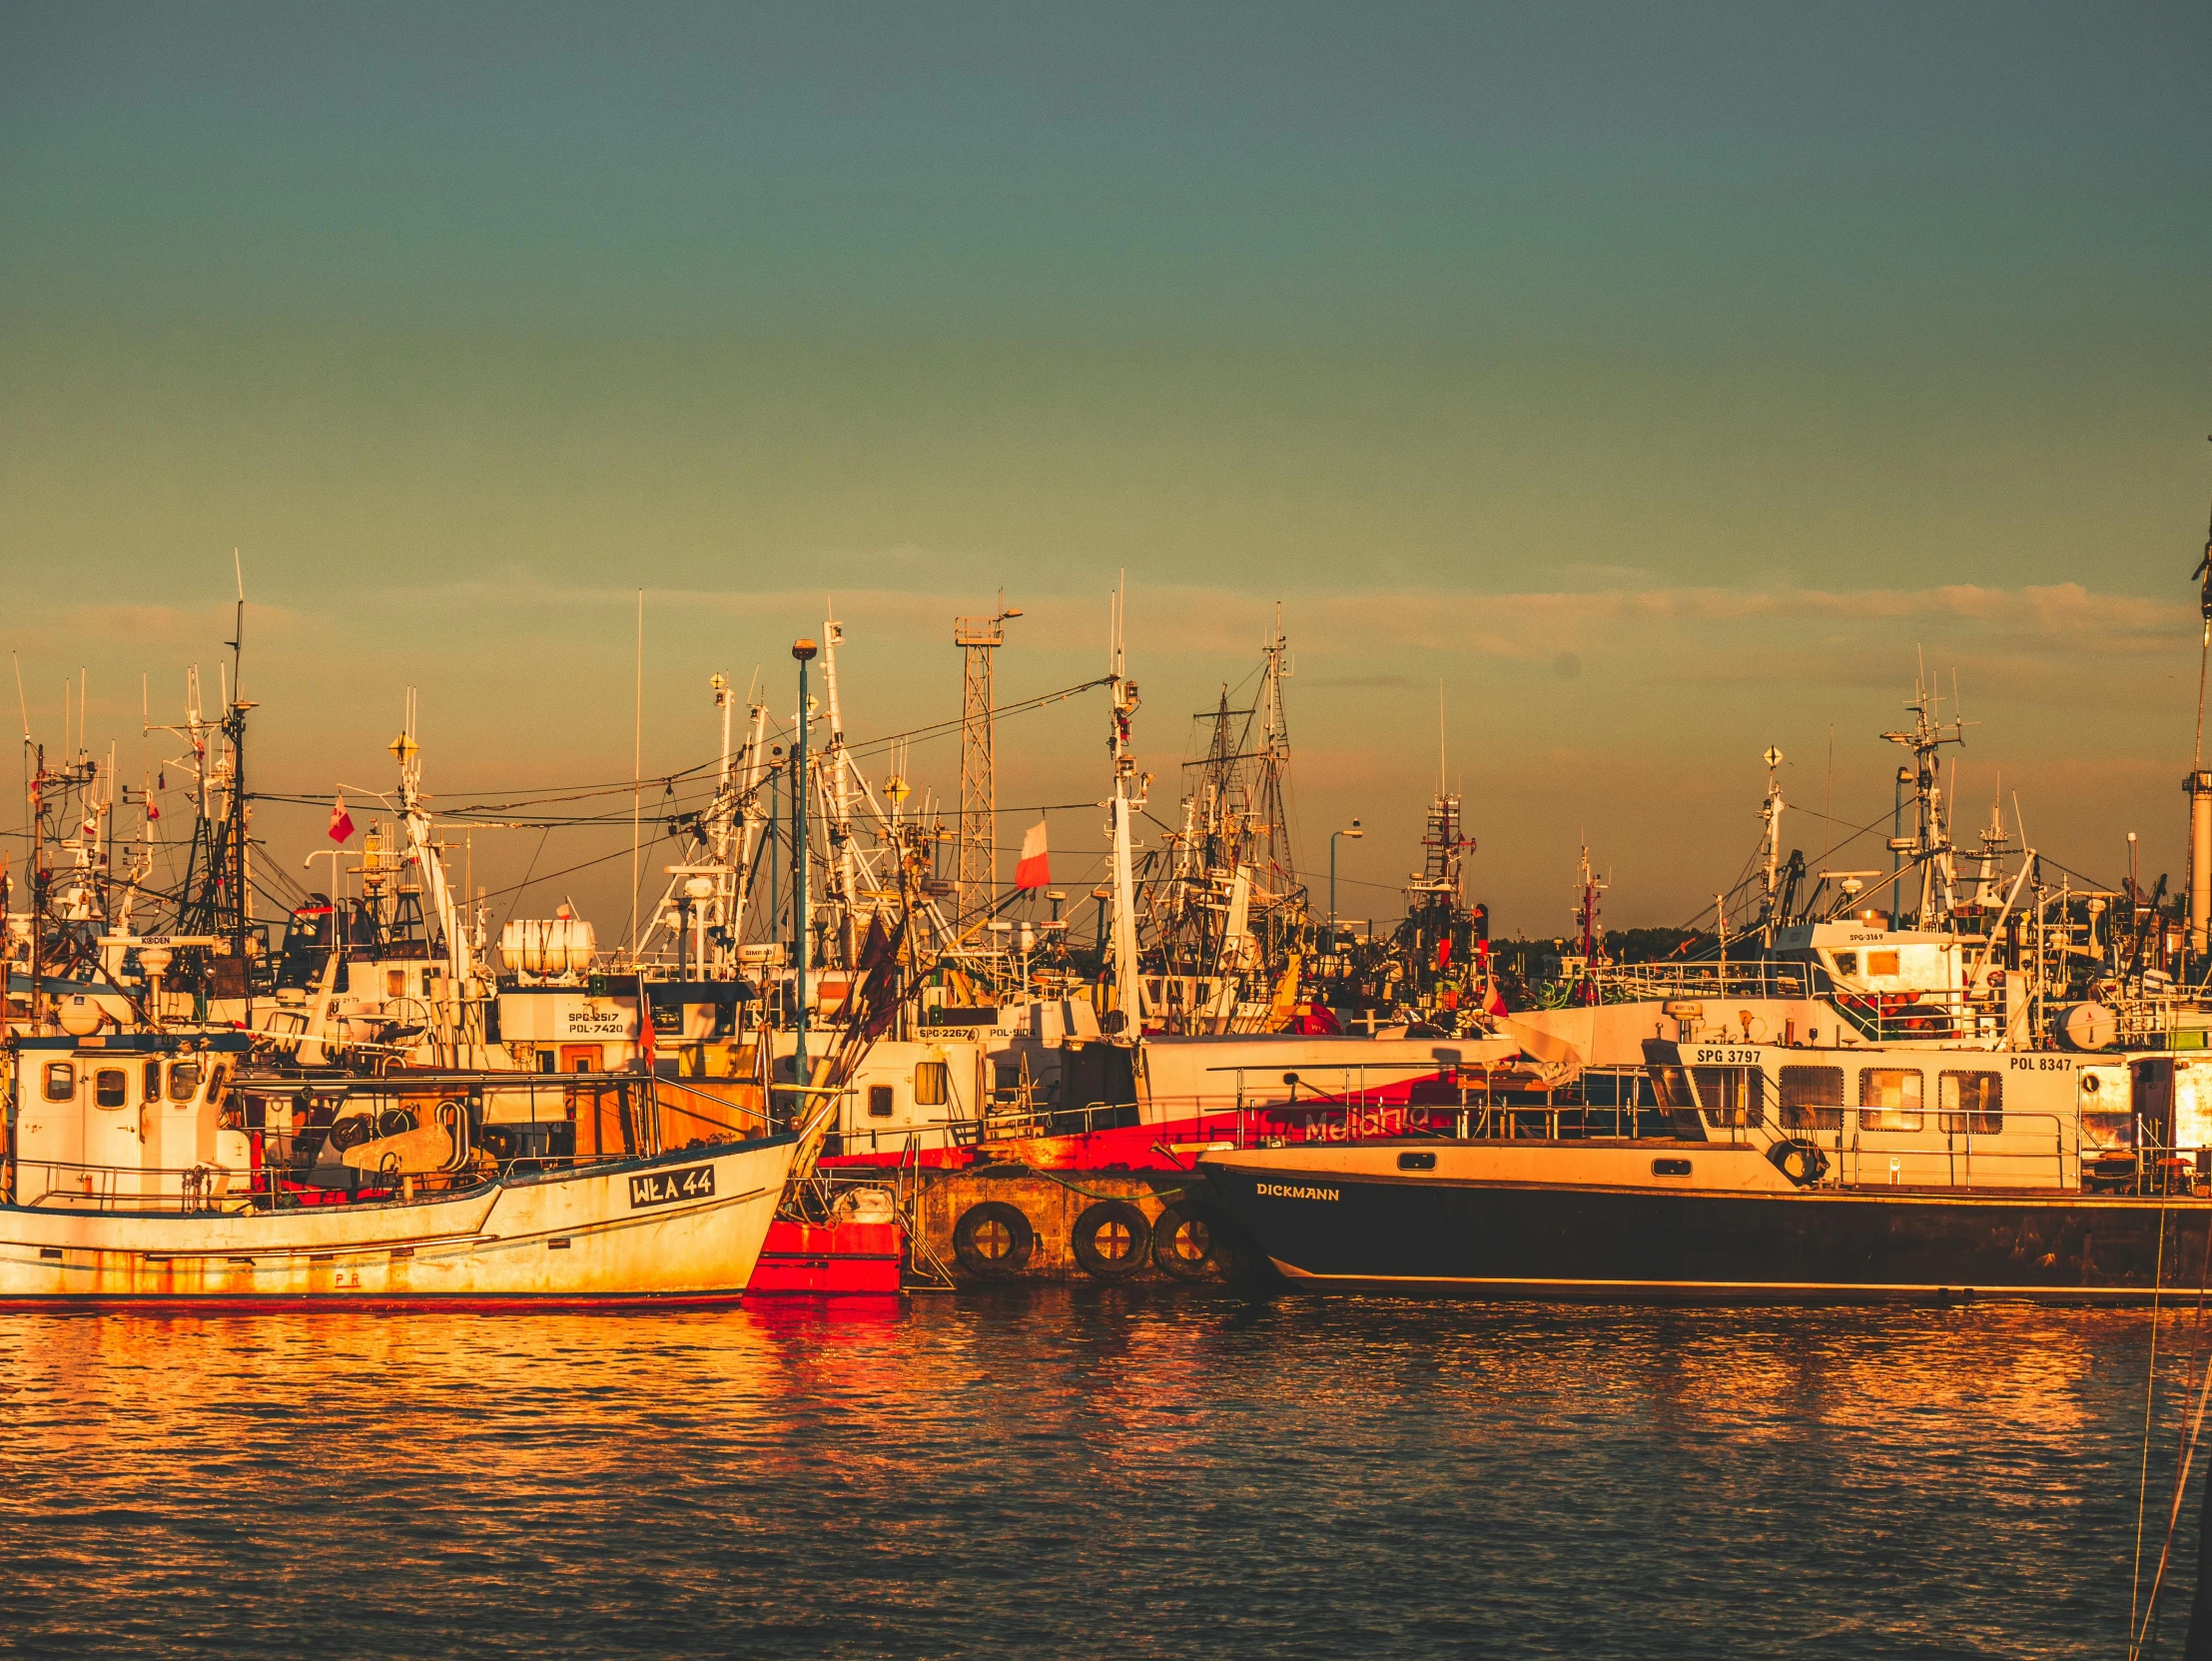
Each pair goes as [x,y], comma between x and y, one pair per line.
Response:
[1034,869]
[342,822]
[153,810]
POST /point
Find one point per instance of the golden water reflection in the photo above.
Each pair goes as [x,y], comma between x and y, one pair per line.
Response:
[1120,1465]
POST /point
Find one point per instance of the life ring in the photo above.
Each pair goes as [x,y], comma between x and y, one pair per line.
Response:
[1111,1239]
[993,1240]
[1187,1241]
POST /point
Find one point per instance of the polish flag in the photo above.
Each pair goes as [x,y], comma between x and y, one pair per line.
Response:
[1034,869]
[342,822]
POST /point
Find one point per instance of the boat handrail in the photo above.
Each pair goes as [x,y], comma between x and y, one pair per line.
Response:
[1631,983]
[758,1115]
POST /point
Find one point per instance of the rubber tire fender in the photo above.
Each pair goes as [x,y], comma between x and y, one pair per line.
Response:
[350,1131]
[1811,1161]
[1200,1222]
[1083,1240]
[1022,1236]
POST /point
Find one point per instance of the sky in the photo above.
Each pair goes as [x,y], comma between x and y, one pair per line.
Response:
[1648,384]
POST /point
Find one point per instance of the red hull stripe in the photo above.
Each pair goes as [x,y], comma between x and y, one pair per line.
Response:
[317,1302]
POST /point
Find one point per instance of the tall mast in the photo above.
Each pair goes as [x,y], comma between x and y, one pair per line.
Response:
[1929,846]
[1129,986]
[1275,766]
[429,860]
[1772,814]
[2199,783]
[837,788]
[978,639]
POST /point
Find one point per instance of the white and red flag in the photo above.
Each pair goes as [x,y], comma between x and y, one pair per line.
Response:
[342,822]
[1034,869]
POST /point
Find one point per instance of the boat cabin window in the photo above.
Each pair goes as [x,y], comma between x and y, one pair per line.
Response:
[932,1083]
[1813,1097]
[1889,1098]
[1732,1095]
[1972,1103]
[1846,963]
[879,1101]
[184,1080]
[151,1091]
[395,983]
[61,1080]
[111,1088]
[1881,963]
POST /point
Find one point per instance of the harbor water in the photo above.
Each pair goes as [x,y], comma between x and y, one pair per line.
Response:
[1084,1471]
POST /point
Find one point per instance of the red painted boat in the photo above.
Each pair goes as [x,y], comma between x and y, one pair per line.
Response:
[838,1259]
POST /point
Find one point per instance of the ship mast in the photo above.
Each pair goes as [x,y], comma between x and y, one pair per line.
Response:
[1128,987]
[1771,814]
[1589,887]
[460,968]
[2198,785]
[1929,846]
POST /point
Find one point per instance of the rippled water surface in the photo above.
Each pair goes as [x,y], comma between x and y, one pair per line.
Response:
[1077,1473]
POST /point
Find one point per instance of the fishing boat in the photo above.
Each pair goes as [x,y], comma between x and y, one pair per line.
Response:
[158,1169]
[1998,1100]
[2039,1178]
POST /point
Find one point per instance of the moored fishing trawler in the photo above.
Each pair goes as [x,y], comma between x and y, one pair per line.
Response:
[156,1167]
[1862,1111]
[1773,1174]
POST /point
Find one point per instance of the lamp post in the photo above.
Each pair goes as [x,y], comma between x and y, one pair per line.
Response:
[804,651]
[1356,832]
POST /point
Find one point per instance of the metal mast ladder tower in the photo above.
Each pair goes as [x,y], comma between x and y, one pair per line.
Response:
[979,638]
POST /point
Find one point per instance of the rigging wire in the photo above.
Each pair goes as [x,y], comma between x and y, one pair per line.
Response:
[2139,1638]
[2150,1399]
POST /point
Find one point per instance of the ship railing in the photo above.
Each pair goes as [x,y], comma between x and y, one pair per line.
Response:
[814,1195]
[1635,983]
[1920,1017]
[757,1118]
[2149,1021]
[1182,1126]
[545,1099]
[2145,1168]
[2028,1150]
[168,1191]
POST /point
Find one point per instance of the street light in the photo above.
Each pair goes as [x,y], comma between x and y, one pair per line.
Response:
[1352,830]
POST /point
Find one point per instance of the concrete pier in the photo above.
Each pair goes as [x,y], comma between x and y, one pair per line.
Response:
[1007,1223]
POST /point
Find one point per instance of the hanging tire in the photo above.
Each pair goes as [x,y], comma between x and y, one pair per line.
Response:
[1111,1239]
[1187,1241]
[351,1132]
[1801,1161]
[992,1240]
